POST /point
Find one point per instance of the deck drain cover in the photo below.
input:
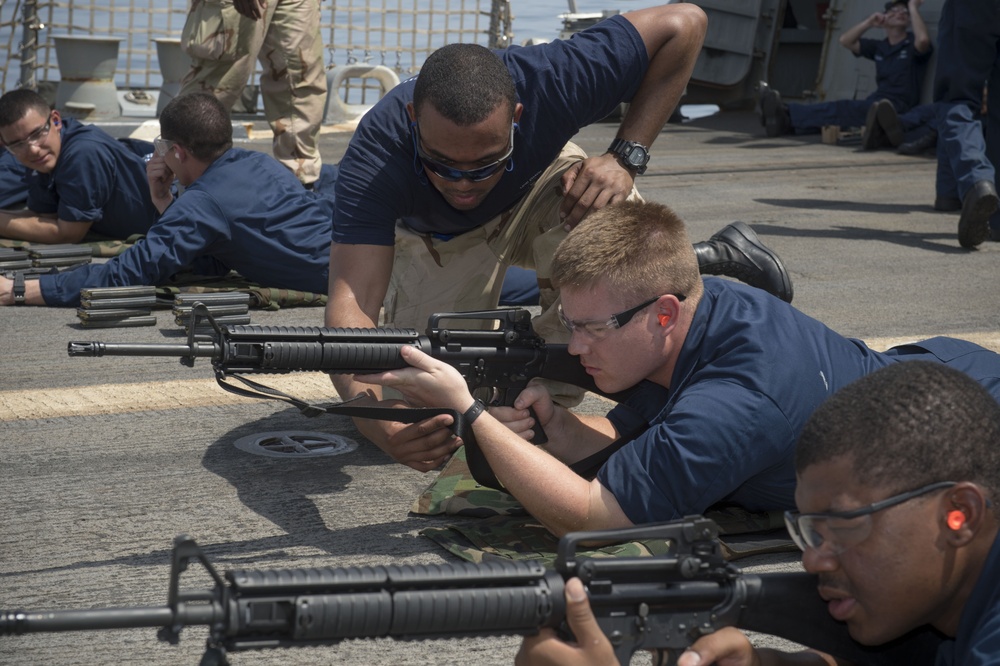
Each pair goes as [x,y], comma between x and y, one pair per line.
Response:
[295,444]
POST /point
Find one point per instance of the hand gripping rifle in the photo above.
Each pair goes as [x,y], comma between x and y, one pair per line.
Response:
[660,603]
[498,362]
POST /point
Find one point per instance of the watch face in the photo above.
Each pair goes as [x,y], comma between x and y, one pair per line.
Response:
[632,156]
[636,156]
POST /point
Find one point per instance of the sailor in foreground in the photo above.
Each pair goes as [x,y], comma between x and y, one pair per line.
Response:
[897,515]
[726,377]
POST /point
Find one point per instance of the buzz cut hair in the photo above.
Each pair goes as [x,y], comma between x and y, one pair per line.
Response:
[638,249]
[199,122]
[908,425]
[465,83]
[17,103]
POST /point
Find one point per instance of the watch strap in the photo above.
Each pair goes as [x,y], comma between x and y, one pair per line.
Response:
[471,414]
[18,289]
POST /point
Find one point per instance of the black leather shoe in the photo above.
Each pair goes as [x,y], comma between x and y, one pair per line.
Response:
[873,137]
[920,145]
[774,114]
[979,203]
[736,252]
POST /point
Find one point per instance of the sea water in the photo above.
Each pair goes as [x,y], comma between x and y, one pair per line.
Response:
[532,20]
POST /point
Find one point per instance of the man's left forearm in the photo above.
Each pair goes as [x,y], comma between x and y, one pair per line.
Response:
[40,228]
[673,35]
[551,492]
[851,38]
[32,292]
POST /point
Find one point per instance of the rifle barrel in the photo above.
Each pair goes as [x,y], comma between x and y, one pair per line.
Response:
[200,349]
[13,623]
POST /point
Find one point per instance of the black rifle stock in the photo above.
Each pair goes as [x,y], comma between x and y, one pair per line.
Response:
[660,603]
[498,363]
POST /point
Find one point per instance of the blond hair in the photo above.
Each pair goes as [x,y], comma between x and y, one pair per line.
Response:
[638,249]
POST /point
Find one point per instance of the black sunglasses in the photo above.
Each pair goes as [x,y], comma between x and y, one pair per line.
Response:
[453,175]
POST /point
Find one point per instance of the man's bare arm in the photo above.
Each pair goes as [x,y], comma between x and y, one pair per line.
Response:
[673,35]
[32,292]
[554,494]
[921,36]
[37,228]
[851,38]
[359,278]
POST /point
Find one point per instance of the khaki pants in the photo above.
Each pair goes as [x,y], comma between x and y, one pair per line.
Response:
[466,272]
[223,46]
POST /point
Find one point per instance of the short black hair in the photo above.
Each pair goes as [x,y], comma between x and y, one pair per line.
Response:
[465,83]
[200,123]
[907,425]
[892,3]
[16,104]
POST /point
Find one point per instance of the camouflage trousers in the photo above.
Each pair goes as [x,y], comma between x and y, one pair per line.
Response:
[223,46]
[466,272]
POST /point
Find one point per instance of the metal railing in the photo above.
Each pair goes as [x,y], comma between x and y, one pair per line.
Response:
[399,34]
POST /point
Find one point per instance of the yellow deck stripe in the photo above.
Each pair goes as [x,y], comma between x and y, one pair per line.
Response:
[180,394]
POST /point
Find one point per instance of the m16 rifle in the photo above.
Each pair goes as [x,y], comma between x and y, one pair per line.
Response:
[661,603]
[498,362]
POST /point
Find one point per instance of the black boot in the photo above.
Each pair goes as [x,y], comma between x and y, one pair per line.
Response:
[736,252]
[978,205]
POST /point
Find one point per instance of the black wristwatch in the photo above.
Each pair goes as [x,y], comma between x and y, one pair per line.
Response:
[473,412]
[633,156]
[18,288]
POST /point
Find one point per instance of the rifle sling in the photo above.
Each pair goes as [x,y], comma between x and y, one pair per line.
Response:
[478,465]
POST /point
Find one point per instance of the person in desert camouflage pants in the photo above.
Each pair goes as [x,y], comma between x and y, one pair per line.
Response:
[224,37]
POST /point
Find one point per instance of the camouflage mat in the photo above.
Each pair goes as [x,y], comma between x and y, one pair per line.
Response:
[456,493]
[100,246]
[261,298]
[505,531]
